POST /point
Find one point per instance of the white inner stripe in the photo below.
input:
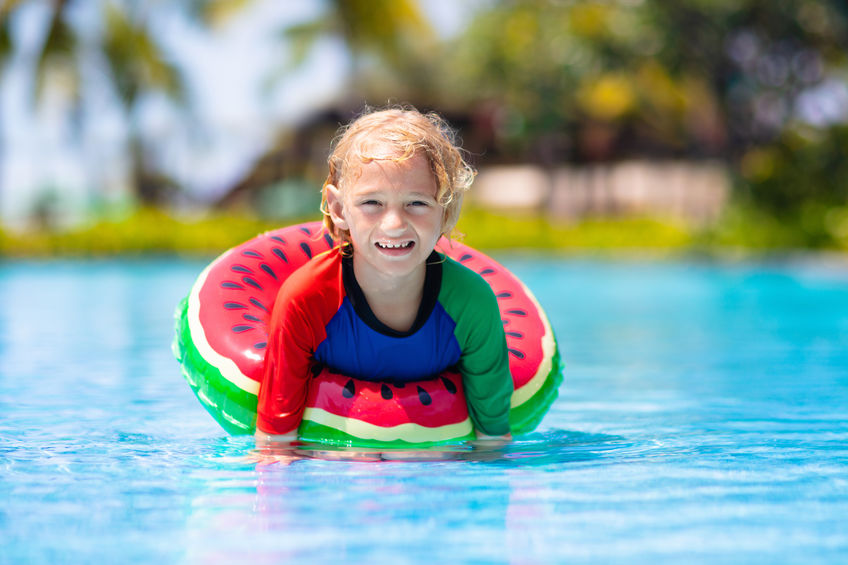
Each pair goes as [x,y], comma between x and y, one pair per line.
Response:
[413,433]
[524,394]
[227,366]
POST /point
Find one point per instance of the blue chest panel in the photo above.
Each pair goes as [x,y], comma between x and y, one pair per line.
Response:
[354,348]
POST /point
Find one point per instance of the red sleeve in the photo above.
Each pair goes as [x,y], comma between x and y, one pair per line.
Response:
[305,304]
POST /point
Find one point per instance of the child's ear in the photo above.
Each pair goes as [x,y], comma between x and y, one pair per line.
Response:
[335,206]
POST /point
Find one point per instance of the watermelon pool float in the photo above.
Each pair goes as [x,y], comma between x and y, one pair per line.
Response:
[222,335]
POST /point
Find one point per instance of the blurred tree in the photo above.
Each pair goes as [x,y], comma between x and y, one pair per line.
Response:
[135,67]
[753,82]
[6,49]
[391,45]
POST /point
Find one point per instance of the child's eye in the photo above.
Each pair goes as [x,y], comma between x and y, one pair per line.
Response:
[370,203]
[419,203]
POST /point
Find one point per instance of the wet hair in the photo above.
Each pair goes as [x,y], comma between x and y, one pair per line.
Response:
[398,134]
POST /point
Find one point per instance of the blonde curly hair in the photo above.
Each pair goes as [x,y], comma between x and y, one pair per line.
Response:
[406,132]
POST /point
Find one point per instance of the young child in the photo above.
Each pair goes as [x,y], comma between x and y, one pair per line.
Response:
[383,305]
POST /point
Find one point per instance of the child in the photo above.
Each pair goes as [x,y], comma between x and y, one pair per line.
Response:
[383,305]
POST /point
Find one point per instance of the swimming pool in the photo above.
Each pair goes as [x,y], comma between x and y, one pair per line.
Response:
[703,419]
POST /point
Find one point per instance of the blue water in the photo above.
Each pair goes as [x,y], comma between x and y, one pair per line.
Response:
[703,419]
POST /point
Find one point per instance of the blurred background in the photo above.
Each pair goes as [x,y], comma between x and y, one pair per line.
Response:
[187,126]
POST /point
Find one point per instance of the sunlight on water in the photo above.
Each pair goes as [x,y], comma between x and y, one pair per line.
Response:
[703,419]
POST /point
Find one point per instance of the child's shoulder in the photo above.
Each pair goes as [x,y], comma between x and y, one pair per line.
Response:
[455,270]
[461,283]
[314,278]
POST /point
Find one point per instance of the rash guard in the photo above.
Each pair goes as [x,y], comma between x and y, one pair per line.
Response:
[321,317]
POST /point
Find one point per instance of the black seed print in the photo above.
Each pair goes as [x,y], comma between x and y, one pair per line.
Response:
[505,322]
[260,345]
[306,231]
[386,392]
[252,282]
[279,239]
[424,397]
[306,249]
[241,269]
[329,240]
[485,272]
[517,312]
[464,258]
[234,306]
[349,389]
[517,335]
[517,353]
[250,318]
[242,329]
[267,268]
[252,254]
[504,294]
[230,284]
[258,304]
[279,253]
[449,386]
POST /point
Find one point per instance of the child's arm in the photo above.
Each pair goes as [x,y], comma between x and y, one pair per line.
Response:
[484,364]
[304,304]
[282,396]
[487,378]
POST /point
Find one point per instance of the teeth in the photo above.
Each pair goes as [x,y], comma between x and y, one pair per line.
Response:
[394,245]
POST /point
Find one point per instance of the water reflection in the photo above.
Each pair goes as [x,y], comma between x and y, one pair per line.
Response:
[535,449]
[317,503]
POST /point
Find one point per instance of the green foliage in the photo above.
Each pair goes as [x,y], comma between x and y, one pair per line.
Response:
[590,80]
[803,165]
[493,231]
[148,231]
[749,227]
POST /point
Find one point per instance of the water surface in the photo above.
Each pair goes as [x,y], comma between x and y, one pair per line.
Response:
[703,419]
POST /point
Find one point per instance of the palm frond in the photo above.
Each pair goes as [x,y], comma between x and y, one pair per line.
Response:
[58,56]
[6,46]
[217,12]
[135,60]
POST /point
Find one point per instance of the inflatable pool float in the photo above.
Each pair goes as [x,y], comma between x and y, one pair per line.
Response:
[221,336]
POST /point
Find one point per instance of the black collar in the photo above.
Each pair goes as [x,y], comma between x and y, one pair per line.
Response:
[432,286]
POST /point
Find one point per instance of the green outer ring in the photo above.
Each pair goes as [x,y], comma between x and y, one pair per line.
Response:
[525,417]
[233,408]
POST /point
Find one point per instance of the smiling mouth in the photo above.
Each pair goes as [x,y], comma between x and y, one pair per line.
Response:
[404,245]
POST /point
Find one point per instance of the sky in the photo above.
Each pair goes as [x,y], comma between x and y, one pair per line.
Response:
[234,117]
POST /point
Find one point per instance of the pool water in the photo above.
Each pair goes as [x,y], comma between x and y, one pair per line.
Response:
[703,419]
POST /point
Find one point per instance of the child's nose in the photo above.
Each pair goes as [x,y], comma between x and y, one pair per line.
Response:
[393,220]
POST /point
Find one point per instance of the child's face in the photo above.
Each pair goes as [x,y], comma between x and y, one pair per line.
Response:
[391,211]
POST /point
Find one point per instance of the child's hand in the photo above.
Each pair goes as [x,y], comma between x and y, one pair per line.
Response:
[493,441]
[487,448]
[264,439]
[267,456]
[272,449]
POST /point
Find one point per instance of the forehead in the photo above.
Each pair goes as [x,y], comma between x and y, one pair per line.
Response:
[413,174]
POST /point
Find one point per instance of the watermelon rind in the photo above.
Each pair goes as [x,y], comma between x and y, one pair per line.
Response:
[232,407]
[225,366]
[531,402]
[526,417]
[314,432]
